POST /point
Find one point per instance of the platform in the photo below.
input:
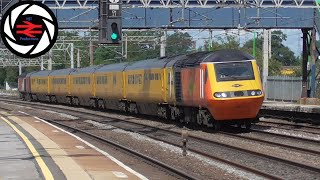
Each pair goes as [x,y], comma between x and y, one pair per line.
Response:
[292,107]
[34,149]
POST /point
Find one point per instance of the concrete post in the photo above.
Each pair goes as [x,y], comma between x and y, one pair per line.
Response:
[163,44]
[265,71]
[126,46]
[41,65]
[91,53]
[71,55]
[269,41]
[20,68]
[50,61]
[78,59]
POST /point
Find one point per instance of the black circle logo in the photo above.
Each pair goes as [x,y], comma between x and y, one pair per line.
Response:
[29,29]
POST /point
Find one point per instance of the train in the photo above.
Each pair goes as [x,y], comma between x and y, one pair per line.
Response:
[202,88]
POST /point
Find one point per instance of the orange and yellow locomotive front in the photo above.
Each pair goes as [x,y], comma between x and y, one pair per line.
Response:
[229,90]
[233,90]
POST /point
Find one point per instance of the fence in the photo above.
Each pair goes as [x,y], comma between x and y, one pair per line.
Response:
[284,88]
[4,92]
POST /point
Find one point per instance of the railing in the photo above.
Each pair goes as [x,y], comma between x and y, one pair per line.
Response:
[284,88]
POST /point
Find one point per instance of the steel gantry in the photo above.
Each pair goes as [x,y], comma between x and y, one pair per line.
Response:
[45,61]
[91,4]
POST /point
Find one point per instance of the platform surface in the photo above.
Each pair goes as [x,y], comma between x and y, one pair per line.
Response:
[285,106]
[34,149]
[16,161]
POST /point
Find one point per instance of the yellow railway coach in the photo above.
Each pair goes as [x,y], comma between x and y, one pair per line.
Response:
[40,85]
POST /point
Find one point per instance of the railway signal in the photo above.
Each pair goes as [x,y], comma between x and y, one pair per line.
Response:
[110,22]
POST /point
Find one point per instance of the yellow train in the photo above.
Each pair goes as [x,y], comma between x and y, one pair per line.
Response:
[205,88]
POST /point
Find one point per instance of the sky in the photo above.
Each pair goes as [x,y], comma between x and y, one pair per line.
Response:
[294,40]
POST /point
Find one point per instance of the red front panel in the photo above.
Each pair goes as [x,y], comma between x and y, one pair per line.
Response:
[28,84]
[21,87]
[233,109]
[190,86]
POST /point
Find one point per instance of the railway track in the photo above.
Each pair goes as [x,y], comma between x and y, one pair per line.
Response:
[165,167]
[163,135]
[289,126]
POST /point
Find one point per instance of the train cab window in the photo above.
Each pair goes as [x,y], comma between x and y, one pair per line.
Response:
[234,71]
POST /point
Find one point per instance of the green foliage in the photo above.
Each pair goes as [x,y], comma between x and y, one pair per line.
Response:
[12,74]
[274,67]
[178,43]
[104,55]
[280,52]
[3,75]
[228,42]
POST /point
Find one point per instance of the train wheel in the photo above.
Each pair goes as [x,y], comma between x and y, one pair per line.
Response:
[217,126]
[248,125]
[238,125]
[199,120]
[69,101]
[101,104]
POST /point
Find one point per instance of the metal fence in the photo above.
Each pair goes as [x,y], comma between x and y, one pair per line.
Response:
[284,88]
[4,92]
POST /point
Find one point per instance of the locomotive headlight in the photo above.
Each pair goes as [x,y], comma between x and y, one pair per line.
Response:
[259,92]
[224,95]
[217,95]
[253,93]
[221,94]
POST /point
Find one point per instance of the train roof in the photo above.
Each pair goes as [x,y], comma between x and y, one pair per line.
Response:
[41,73]
[29,74]
[228,55]
[112,67]
[147,64]
[22,75]
[225,55]
[85,70]
[61,72]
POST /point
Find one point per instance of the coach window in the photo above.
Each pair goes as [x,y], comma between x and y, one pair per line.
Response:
[114,79]
[140,77]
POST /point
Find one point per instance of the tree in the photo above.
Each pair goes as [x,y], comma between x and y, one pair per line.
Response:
[274,67]
[280,52]
[3,76]
[229,42]
[12,74]
[178,43]
[104,55]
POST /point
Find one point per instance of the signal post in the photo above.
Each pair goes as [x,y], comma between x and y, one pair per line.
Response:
[110,22]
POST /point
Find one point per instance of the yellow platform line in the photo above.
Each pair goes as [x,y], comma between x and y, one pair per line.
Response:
[44,168]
